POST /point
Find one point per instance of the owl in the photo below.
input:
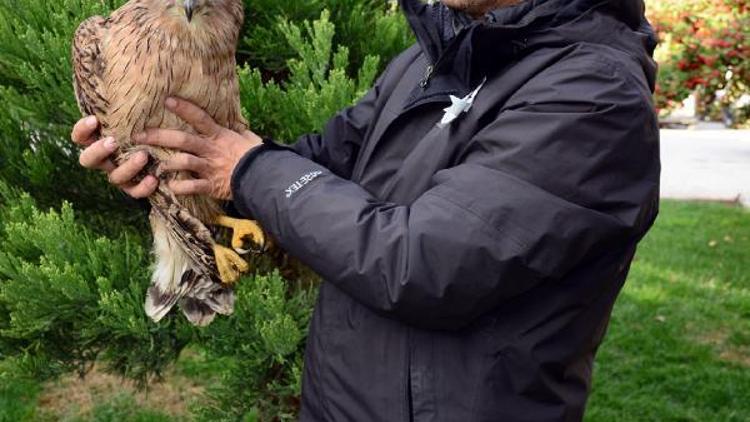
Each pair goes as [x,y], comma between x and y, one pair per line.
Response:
[125,67]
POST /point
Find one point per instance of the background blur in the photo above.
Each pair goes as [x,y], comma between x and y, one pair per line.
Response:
[76,345]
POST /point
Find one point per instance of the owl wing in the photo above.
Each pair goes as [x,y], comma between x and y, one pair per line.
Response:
[89,67]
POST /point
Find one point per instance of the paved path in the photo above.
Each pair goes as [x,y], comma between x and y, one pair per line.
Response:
[706,164]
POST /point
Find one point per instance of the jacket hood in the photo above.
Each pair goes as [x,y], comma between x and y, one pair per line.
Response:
[449,37]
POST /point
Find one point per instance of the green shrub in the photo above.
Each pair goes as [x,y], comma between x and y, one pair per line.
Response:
[264,46]
[72,297]
[18,393]
[317,87]
[74,260]
[261,347]
[38,106]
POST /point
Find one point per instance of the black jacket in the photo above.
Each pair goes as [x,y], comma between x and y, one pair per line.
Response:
[471,266]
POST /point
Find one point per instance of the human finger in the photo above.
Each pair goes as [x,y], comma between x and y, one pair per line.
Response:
[126,172]
[144,189]
[84,129]
[193,115]
[184,162]
[96,155]
[173,139]
[190,187]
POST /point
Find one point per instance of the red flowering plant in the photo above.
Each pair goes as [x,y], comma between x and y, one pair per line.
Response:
[704,50]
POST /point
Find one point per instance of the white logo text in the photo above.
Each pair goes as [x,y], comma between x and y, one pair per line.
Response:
[301,182]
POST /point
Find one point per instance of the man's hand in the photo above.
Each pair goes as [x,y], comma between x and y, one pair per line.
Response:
[211,155]
[97,156]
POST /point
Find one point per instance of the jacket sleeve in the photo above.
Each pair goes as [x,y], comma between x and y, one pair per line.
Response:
[567,170]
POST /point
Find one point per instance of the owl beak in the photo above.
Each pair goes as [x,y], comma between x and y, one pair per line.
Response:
[189,6]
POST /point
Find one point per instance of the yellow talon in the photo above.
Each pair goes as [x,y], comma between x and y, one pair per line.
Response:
[231,265]
[241,230]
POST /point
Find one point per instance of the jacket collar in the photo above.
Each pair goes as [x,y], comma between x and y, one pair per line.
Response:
[450,38]
[434,25]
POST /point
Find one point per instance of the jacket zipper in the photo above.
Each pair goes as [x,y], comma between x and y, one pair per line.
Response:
[430,72]
[427,75]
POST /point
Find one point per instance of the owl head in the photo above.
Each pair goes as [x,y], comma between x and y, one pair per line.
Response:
[195,14]
[192,24]
[206,9]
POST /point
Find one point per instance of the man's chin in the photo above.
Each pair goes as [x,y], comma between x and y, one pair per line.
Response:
[478,8]
[471,7]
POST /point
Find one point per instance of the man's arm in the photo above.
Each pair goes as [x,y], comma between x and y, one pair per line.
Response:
[566,172]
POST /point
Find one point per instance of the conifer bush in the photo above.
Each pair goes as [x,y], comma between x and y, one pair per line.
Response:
[75,253]
[317,87]
[72,297]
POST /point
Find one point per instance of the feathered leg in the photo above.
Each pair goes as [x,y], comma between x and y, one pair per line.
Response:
[186,269]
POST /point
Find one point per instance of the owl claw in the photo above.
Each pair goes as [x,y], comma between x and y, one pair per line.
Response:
[231,266]
[241,230]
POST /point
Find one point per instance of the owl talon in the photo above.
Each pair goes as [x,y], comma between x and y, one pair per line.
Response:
[241,230]
[231,266]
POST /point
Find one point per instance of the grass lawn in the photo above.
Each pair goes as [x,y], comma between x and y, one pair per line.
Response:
[678,348]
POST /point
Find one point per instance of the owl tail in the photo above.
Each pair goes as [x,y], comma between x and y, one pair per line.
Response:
[166,282]
[201,312]
[175,281]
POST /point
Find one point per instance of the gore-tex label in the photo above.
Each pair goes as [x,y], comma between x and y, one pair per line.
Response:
[302,182]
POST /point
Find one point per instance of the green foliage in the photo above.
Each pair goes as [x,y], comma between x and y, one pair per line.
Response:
[260,348]
[17,393]
[318,85]
[39,105]
[357,21]
[72,297]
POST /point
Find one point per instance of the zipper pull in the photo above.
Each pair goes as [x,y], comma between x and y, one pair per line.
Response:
[427,75]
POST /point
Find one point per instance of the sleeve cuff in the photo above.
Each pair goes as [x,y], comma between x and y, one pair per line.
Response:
[246,161]
[246,165]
